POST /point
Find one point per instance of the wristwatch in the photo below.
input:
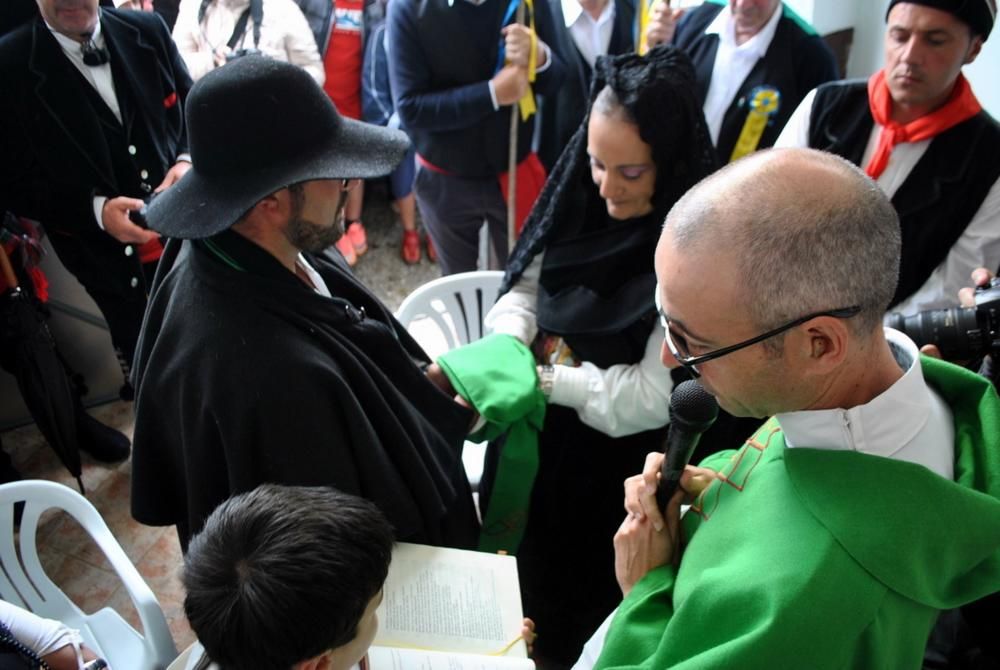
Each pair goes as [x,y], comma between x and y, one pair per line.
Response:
[546,376]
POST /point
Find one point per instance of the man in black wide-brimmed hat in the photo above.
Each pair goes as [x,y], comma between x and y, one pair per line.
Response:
[261,358]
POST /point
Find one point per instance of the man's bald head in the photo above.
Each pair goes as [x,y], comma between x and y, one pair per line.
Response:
[806,230]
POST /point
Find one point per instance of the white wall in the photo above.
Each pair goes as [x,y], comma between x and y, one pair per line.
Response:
[984,74]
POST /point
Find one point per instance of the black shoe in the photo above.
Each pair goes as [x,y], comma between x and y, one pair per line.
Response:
[126,392]
[102,442]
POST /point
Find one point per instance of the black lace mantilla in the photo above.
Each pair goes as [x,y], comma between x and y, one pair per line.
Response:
[658,90]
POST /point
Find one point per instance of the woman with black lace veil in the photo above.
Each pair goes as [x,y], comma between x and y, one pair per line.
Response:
[579,290]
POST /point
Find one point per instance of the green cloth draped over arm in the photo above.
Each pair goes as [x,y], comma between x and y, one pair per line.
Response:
[497,375]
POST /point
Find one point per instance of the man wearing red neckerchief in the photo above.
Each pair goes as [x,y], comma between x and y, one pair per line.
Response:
[916,128]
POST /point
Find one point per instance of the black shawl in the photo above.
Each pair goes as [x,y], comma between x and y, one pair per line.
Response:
[246,377]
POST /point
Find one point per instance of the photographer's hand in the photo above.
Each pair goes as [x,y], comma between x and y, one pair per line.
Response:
[114,217]
[966,298]
[980,277]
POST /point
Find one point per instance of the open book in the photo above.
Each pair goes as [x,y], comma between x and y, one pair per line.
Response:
[449,609]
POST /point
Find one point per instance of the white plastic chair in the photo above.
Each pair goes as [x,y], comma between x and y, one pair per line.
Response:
[23,581]
[446,313]
[456,305]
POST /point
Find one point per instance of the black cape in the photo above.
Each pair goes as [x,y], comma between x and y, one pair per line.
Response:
[245,377]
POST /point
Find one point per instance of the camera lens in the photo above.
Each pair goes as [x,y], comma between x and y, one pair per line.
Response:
[959,332]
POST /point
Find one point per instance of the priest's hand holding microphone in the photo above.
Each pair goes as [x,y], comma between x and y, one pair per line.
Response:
[649,535]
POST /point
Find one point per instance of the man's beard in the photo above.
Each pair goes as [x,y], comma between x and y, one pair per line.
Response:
[308,236]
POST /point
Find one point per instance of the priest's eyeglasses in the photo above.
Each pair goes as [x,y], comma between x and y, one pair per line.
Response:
[678,344]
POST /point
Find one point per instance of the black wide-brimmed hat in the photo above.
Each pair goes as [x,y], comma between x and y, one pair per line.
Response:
[255,126]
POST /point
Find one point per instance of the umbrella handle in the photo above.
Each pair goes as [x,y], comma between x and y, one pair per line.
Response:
[6,269]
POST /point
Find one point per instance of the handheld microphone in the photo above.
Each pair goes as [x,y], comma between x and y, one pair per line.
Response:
[692,411]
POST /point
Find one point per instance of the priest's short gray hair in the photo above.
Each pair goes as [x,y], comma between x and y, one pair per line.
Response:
[810,232]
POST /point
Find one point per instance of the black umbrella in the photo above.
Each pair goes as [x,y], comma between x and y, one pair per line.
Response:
[28,351]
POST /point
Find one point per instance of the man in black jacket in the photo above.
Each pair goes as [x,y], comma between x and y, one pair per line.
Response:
[755,60]
[264,360]
[584,30]
[92,125]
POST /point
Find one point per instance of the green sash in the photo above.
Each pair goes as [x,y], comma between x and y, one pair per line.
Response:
[497,375]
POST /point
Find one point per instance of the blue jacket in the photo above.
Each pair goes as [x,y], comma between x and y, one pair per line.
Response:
[441,58]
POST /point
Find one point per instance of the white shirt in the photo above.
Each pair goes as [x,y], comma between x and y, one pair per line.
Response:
[620,400]
[907,422]
[99,76]
[591,37]
[979,245]
[733,64]
[317,281]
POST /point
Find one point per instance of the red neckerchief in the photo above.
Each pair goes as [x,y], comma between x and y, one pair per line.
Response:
[960,106]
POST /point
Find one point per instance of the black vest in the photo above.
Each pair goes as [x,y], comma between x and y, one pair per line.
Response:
[941,194]
[135,166]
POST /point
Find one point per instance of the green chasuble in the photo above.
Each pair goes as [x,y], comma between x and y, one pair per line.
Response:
[809,558]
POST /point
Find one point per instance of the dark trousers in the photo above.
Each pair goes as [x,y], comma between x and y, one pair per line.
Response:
[453,210]
[124,317]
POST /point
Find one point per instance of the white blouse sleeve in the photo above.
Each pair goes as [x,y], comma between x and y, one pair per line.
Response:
[43,636]
[516,311]
[619,400]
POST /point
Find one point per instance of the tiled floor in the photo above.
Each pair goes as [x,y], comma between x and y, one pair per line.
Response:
[68,555]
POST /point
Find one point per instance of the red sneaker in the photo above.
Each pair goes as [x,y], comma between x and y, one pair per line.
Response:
[410,251]
[431,254]
[346,249]
[356,234]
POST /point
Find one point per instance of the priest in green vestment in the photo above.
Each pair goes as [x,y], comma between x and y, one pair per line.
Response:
[867,503]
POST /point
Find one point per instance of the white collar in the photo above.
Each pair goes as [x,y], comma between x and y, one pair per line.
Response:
[572,11]
[70,45]
[724,27]
[880,427]
[319,284]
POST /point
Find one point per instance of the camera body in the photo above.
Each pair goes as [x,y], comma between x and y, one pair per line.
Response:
[960,333]
[239,53]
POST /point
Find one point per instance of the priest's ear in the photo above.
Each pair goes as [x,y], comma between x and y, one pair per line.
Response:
[822,344]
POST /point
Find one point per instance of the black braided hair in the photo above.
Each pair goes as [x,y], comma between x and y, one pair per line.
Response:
[657,93]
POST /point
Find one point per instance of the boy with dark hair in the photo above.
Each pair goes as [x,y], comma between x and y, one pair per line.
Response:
[287,577]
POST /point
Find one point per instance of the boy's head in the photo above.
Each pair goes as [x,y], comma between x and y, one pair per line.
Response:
[288,577]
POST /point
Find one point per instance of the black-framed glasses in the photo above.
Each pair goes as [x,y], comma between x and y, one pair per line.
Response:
[678,344]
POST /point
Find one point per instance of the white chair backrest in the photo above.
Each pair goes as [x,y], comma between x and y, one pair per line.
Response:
[456,305]
[23,581]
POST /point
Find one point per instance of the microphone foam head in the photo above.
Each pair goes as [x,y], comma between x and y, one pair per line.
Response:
[693,406]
